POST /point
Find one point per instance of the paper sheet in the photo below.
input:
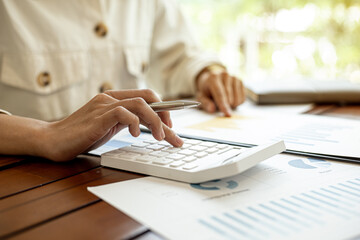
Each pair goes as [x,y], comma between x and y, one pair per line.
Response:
[305,133]
[249,106]
[284,197]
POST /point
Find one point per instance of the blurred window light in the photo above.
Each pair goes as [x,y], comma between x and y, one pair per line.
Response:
[353,19]
[319,38]
[296,19]
[304,47]
[284,61]
[205,16]
[327,52]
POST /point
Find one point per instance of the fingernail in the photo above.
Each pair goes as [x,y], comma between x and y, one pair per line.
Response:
[179,141]
[228,111]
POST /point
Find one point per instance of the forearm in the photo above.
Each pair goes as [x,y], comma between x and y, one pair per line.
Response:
[22,136]
[87,128]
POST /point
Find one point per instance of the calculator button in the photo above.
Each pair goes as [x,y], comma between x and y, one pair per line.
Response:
[211,150]
[208,144]
[190,166]
[176,156]
[189,159]
[198,148]
[238,148]
[155,147]
[201,154]
[172,150]
[140,144]
[224,150]
[165,144]
[192,141]
[222,146]
[187,152]
[185,146]
[159,154]
[146,158]
[231,153]
[162,161]
[136,150]
[177,164]
[124,154]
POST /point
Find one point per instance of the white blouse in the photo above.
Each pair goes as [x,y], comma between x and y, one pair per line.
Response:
[55,55]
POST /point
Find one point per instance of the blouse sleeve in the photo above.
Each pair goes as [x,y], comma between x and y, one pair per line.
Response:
[176,58]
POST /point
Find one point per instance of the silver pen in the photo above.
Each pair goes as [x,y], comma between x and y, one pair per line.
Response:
[173,105]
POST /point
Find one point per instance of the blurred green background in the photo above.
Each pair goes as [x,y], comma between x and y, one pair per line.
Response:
[257,39]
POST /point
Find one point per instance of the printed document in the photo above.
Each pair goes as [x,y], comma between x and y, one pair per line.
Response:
[284,197]
[321,135]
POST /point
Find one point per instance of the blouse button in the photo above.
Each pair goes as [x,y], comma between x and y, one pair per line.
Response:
[101,30]
[105,87]
[44,79]
[144,67]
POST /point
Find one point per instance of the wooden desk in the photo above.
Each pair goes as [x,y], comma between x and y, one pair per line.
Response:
[44,200]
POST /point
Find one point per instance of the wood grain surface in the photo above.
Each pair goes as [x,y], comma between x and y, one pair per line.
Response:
[40,199]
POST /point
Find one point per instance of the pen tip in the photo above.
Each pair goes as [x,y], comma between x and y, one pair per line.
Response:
[191,103]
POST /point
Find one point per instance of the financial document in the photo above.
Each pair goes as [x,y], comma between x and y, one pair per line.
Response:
[321,135]
[284,197]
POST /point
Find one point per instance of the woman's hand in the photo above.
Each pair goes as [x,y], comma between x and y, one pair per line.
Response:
[104,116]
[90,126]
[218,90]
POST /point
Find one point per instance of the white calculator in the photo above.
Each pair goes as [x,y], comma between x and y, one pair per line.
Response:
[195,162]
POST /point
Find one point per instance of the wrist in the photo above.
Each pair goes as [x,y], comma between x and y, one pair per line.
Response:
[38,141]
[44,140]
[49,144]
[211,69]
[215,68]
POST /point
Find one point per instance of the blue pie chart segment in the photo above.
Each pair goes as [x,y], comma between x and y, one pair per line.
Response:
[216,185]
[309,163]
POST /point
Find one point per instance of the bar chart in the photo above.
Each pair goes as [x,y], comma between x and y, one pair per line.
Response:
[312,134]
[288,216]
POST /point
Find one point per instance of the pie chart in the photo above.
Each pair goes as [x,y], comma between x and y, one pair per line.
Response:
[309,163]
[216,185]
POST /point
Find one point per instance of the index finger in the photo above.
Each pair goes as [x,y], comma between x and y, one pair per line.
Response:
[172,138]
[147,94]
[218,93]
[145,113]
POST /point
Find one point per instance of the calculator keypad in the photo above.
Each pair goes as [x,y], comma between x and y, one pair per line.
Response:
[163,154]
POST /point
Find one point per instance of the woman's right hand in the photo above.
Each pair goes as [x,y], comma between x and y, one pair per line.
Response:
[101,118]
